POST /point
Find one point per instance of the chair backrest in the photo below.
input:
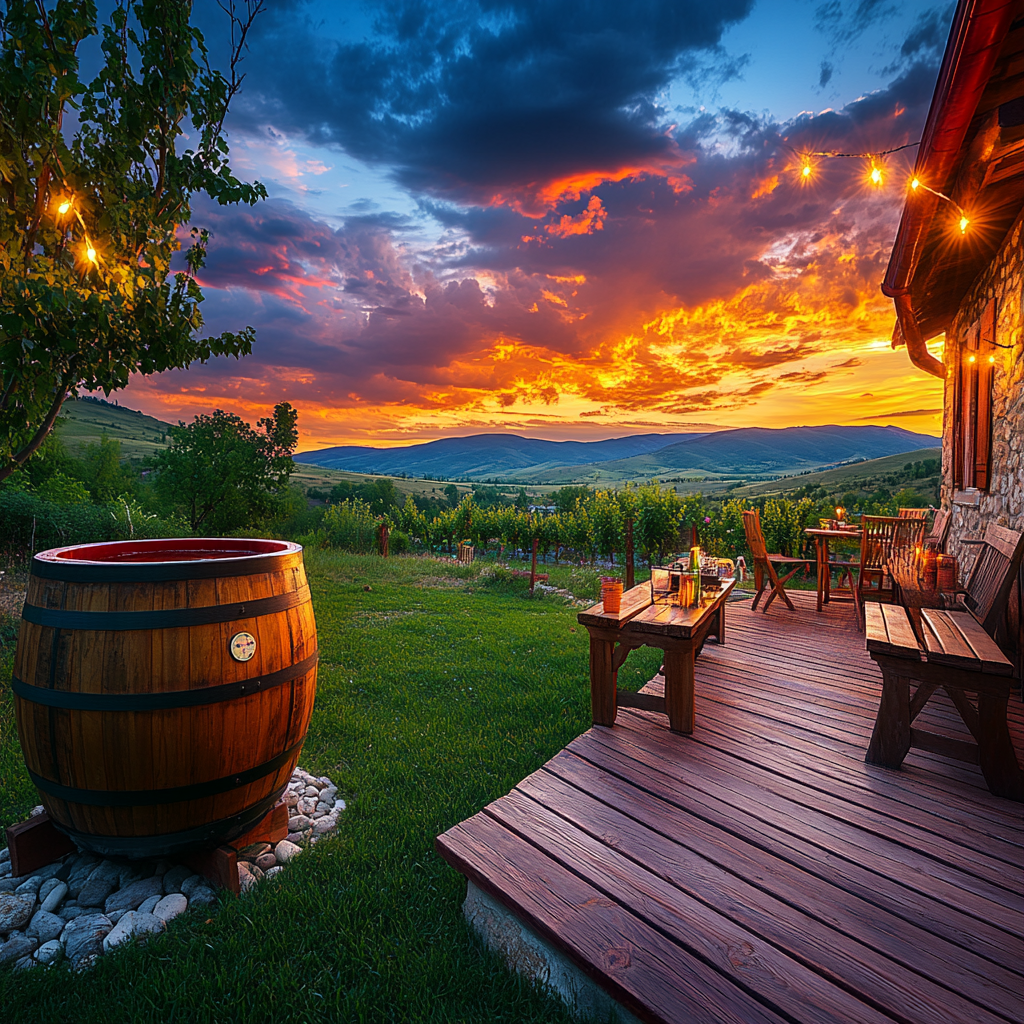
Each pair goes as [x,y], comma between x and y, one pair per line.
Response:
[755,538]
[935,538]
[884,536]
[913,513]
[991,578]
[876,538]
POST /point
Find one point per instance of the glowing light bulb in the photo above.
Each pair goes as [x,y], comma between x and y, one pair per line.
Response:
[875,176]
[64,206]
[806,172]
[90,254]
[963,225]
[991,359]
[915,184]
[970,359]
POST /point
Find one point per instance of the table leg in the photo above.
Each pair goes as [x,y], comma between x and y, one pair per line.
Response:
[821,581]
[720,625]
[996,755]
[890,739]
[679,688]
[602,681]
[827,572]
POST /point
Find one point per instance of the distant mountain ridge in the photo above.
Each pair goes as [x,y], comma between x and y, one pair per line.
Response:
[753,450]
[484,455]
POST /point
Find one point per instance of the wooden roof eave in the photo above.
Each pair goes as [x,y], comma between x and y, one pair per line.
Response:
[979,28]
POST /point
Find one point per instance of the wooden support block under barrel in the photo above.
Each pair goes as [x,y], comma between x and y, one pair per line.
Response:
[219,865]
[35,843]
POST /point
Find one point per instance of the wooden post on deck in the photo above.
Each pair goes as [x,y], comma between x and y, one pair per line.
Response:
[629,554]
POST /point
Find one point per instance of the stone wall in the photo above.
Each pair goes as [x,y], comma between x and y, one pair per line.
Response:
[1003,503]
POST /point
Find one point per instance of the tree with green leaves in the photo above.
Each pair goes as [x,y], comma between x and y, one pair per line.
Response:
[221,474]
[92,212]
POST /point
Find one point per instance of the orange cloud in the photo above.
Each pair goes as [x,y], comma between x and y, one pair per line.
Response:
[585,223]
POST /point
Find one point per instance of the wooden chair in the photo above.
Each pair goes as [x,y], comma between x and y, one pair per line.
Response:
[881,538]
[764,564]
[935,538]
[913,513]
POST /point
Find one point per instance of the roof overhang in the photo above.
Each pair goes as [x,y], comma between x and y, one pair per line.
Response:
[972,151]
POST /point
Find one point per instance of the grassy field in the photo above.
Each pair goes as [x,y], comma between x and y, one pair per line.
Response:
[85,422]
[439,689]
[848,477]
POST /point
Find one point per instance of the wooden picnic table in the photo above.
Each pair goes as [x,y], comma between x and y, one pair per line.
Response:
[679,632]
[824,566]
[948,649]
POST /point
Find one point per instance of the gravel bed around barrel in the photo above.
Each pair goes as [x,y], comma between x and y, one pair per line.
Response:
[82,906]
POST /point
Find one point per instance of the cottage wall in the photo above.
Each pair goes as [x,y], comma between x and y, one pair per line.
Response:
[1003,503]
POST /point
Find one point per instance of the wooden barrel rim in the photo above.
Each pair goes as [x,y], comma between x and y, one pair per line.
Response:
[184,558]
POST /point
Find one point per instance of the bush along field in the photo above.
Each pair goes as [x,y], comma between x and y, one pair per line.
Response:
[440,687]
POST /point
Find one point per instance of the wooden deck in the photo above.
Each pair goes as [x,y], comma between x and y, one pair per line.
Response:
[760,870]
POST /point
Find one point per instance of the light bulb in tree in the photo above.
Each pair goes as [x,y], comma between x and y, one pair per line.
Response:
[963,225]
[915,184]
[64,206]
[90,254]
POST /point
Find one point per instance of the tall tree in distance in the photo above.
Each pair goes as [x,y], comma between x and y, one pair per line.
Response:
[221,474]
[91,215]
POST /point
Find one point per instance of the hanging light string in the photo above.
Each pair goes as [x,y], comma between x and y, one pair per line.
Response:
[875,174]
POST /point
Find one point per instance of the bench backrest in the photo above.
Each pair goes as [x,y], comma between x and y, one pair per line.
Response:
[991,577]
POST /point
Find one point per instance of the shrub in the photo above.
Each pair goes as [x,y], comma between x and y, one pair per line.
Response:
[351,526]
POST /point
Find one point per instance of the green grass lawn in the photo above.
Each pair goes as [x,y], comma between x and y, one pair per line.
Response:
[439,689]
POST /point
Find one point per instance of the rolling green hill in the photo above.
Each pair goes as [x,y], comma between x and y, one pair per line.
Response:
[84,421]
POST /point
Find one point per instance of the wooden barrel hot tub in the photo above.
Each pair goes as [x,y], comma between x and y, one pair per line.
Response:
[163,688]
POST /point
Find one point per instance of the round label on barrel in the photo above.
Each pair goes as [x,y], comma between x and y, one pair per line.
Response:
[243,646]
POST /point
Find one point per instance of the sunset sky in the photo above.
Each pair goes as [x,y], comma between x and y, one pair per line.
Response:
[565,219]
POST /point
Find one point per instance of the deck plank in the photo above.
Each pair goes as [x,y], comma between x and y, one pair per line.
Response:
[759,869]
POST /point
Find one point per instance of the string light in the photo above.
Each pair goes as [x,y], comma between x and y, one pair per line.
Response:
[64,206]
[876,176]
[971,359]
[90,254]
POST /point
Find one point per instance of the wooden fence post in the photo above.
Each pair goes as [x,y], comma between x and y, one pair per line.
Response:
[629,554]
[533,566]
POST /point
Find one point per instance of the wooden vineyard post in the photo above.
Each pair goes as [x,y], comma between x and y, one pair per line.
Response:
[629,554]
[383,536]
[533,566]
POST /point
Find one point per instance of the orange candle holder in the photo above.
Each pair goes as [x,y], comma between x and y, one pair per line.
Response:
[611,594]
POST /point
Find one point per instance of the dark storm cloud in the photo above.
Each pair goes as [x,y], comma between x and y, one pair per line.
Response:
[468,99]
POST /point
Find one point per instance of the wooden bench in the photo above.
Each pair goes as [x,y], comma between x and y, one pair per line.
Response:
[955,653]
